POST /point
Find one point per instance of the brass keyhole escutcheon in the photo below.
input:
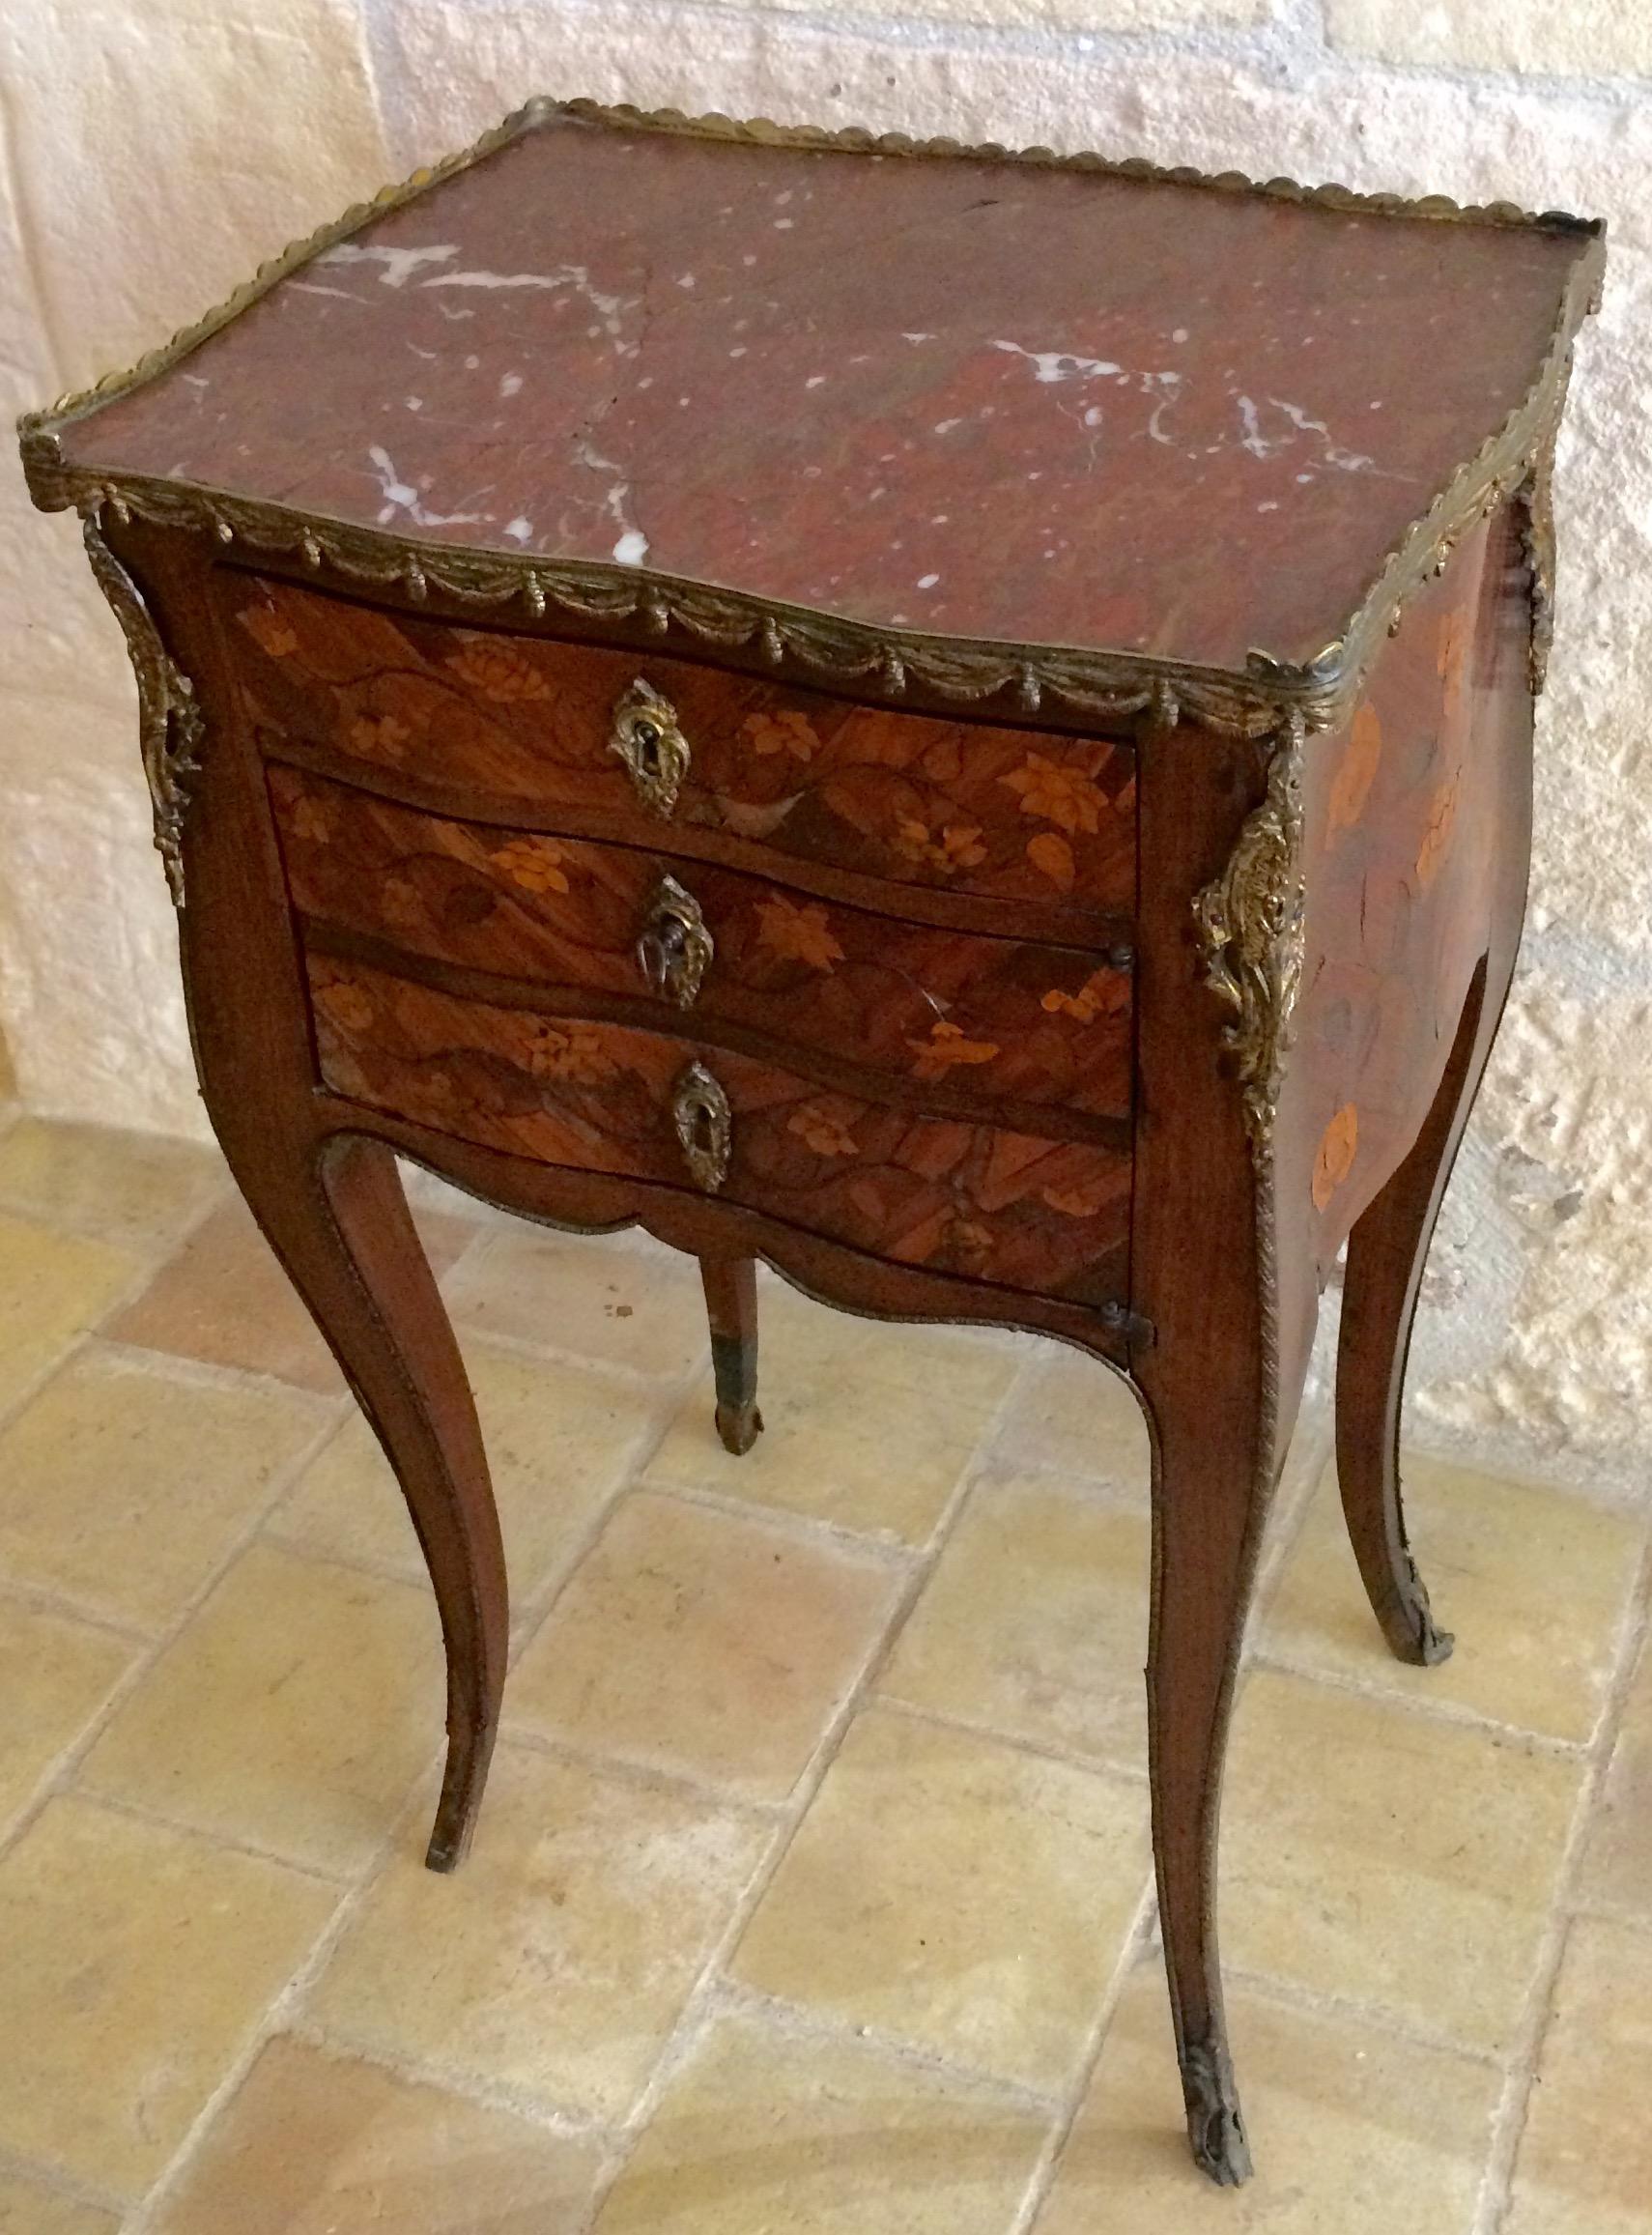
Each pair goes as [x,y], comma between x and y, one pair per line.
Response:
[705,1128]
[676,946]
[646,737]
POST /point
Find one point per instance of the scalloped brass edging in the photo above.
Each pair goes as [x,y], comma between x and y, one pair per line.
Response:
[169,714]
[1100,683]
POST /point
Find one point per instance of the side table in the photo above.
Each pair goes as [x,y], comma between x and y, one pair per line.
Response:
[958,722]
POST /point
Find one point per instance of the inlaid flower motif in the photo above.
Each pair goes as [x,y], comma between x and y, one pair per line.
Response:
[1101,995]
[398,902]
[947,1048]
[821,1131]
[497,671]
[378,737]
[1059,794]
[1081,1202]
[348,1006]
[268,630]
[312,820]
[532,863]
[571,1051]
[797,934]
[787,732]
[956,846]
[1436,837]
[968,1242]
[1339,1144]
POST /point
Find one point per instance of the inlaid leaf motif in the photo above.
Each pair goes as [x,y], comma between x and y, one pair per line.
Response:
[532,863]
[783,732]
[1361,760]
[1058,793]
[947,1047]
[1339,1144]
[496,670]
[269,631]
[1082,1202]
[794,933]
[1103,993]
[1050,854]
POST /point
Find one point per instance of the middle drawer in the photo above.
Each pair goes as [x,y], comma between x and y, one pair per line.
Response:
[960,1017]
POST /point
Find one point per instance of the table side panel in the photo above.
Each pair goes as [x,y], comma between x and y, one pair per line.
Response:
[1412,815]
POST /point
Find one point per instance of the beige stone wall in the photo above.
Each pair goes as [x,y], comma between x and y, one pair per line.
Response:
[151,151]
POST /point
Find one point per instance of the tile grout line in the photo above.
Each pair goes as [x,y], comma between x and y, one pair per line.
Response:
[69,1761]
[1497,2194]
[286,1998]
[1419,1705]
[146,1268]
[700,2004]
[1042,2178]
[58,2183]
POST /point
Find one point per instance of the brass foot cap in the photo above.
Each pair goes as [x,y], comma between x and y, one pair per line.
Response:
[739,1426]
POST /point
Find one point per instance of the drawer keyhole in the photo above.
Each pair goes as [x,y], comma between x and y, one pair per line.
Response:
[648,737]
[675,947]
[705,1130]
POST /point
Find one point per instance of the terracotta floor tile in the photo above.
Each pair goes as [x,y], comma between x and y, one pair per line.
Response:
[581,1295]
[294,1712]
[137,1189]
[319,2144]
[697,1641]
[1035,1620]
[957,1893]
[559,1439]
[762,2132]
[1533,1583]
[1616,1872]
[869,1426]
[1074,1416]
[1378,1854]
[1353,2133]
[224,1299]
[54,1286]
[54,1675]
[558,1959]
[1585,2158]
[135,1964]
[123,1485]
[28,2208]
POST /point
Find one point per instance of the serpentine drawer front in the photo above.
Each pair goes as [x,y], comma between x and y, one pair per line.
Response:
[959,723]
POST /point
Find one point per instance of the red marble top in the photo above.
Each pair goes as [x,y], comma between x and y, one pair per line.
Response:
[976,398]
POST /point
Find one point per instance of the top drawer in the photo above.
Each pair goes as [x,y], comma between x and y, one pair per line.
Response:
[459,719]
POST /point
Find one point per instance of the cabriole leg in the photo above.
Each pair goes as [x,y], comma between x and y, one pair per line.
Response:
[337,1218]
[1208,1515]
[732,1305]
[1387,1253]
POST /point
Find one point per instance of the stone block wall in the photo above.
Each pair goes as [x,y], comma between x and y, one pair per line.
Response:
[153,151]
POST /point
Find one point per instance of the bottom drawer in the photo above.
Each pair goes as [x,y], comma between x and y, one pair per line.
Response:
[976,1200]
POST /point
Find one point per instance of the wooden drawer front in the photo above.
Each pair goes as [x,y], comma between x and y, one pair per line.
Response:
[951,806]
[959,1018]
[973,1200]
